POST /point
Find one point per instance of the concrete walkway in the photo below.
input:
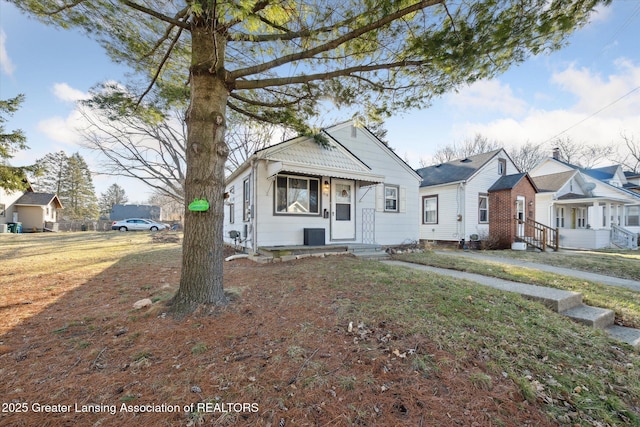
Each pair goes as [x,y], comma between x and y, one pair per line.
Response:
[564,302]
[585,275]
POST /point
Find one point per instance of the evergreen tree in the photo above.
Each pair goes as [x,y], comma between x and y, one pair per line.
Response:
[115,195]
[77,194]
[69,177]
[52,167]
[11,178]
[278,61]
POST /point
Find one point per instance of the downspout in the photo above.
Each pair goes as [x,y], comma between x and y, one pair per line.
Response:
[254,211]
[462,211]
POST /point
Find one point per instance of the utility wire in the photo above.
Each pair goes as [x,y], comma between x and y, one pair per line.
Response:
[592,115]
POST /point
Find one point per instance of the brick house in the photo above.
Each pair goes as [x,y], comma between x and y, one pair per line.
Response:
[511,196]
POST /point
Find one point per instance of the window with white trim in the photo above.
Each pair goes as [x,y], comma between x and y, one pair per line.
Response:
[297,195]
[633,216]
[483,208]
[391,198]
[581,217]
[559,217]
[502,167]
[430,209]
[246,200]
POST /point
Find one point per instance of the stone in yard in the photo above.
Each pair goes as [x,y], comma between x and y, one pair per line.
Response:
[142,303]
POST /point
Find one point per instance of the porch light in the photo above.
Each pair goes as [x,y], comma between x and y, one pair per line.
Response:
[325,188]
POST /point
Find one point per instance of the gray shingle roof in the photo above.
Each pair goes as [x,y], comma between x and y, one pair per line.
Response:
[455,171]
[38,199]
[506,182]
[553,182]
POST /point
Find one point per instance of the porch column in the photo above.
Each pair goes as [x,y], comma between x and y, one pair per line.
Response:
[596,222]
[623,216]
[607,216]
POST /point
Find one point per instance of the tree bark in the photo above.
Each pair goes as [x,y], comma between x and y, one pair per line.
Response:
[201,281]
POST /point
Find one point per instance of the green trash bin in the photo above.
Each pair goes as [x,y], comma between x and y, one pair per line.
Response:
[18,227]
[11,227]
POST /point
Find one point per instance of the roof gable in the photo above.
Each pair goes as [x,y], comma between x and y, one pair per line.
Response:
[456,170]
[38,199]
[553,182]
[509,182]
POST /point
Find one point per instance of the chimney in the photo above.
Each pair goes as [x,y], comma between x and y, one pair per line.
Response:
[556,153]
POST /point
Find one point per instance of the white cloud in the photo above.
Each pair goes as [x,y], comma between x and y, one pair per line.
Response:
[65,92]
[61,129]
[5,61]
[489,96]
[607,96]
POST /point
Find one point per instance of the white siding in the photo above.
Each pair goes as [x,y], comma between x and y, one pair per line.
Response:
[549,166]
[450,204]
[390,227]
[462,199]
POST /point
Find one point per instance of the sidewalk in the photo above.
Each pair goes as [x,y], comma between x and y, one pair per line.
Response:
[566,303]
[594,277]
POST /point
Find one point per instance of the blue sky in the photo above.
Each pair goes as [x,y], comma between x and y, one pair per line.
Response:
[589,91]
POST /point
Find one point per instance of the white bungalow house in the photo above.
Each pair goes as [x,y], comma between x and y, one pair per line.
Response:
[592,208]
[454,197]
[355,190]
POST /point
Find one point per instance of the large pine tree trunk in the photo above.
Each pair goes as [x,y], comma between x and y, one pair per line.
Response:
[206,152]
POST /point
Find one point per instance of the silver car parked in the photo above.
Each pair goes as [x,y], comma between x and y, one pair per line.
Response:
[137,224]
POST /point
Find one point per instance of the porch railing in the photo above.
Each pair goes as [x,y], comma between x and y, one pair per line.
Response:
[536,234]
[623,238]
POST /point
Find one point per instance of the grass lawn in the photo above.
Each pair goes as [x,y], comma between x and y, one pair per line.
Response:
[624,302]
[317,342]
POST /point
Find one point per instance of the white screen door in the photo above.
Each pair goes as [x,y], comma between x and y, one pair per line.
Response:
[343,222]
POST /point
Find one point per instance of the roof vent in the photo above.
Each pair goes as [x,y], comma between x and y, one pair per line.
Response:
[466,160]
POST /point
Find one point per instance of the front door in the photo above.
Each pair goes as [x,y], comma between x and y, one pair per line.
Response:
[520,215]
[343,221]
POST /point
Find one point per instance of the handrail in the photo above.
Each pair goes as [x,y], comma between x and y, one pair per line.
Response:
[537,234]
[623,238]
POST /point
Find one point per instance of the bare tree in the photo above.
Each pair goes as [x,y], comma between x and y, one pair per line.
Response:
[629,158]
[527,156]
[142,142]
[468,147]
[580,154]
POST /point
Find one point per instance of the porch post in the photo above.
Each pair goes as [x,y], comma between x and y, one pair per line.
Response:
[607,213]
[596,224]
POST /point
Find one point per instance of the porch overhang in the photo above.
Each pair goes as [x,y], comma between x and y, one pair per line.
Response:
[278,167]
[590,201]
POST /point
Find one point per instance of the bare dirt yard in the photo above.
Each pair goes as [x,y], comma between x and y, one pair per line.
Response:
[292,349]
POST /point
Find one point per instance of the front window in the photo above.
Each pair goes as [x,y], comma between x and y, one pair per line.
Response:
[297,195]
[502,166]
[483,208]
[581,218]
[633,215]
[246,200]
[560,217]
[390,198]
[2,209]
[430,210]
[232,213]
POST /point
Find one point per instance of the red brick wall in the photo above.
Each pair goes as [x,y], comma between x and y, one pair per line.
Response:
[502,211]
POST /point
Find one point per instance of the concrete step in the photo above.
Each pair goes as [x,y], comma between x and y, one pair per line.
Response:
[630,336]
[595,317]
[373,255]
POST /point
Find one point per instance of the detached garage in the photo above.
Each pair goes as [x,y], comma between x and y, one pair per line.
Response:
[35,210]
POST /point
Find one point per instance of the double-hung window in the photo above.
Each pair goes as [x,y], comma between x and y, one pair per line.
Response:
[483,208]
[391,201]
[297,195]
[246,200]
[430,210]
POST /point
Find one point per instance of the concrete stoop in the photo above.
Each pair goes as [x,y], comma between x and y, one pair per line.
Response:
[566,303]
[372,252]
